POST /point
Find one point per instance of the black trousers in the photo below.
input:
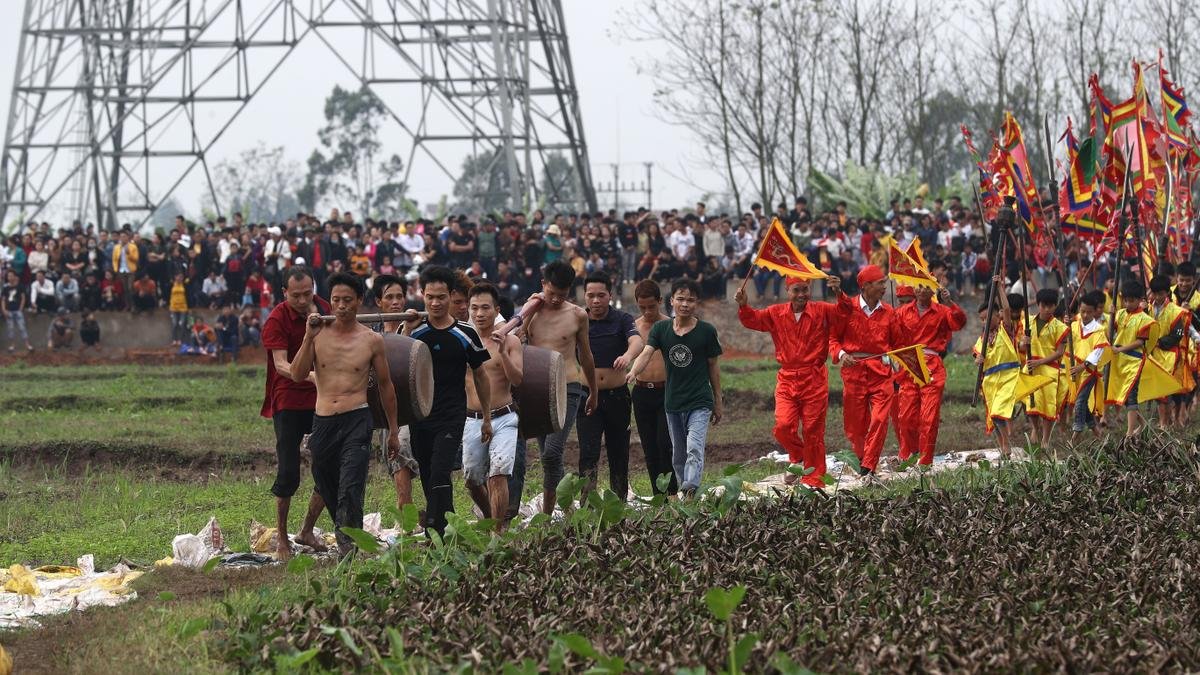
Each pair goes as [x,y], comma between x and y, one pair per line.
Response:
[341,452]
[607,426]
[436,447]
[651,418]
[290,427]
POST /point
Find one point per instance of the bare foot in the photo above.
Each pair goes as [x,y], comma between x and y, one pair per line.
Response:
[310,540]
[283,551]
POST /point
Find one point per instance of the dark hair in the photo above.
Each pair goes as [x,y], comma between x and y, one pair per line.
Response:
[1093,298]
[382,282]
[598,278]
[1133,289]
[1160,284]
[647,288]
[296,272]
[347,279]
[559,274]
[437,274]
[1047,296]
[1186,269]
[485,288]
[462,283]
[689,285]
[1016,301]
[506,306]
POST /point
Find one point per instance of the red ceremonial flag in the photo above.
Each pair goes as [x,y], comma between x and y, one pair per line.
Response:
[778,253]
[907,271]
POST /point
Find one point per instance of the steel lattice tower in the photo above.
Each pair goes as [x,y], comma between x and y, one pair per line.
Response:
[116,102]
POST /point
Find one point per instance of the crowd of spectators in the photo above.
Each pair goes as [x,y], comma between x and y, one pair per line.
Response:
[236,266]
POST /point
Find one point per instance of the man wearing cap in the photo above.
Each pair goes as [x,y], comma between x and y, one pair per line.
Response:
[931,324]
[800,330]
[868,329]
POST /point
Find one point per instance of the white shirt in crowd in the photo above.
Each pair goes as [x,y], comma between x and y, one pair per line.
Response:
[39,288]
[213,286]
[745,244]
[681,242]
[39,261]
[411,243]
[222,250]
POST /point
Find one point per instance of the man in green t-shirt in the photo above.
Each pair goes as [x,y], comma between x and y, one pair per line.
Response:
[693,396]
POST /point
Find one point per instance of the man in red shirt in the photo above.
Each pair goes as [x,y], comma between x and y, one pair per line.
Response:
[290,404]
[867,329]
[923,322]
[800,330]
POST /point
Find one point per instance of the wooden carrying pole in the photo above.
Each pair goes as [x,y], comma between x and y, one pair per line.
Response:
[524,315]
[380,318]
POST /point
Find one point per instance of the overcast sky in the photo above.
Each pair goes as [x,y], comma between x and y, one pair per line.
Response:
[616,101]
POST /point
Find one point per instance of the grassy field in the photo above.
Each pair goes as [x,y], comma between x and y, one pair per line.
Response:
[115,461]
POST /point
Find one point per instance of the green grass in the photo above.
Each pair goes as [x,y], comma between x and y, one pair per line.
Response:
[55,509]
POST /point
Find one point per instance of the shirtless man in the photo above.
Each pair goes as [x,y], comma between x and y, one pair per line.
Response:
[488,465]
[342,355]
[563,327]
[402,467]
[290,403]
[649,393]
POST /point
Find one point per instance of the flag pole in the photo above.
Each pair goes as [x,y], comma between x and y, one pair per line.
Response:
[998,227]
[1057,235]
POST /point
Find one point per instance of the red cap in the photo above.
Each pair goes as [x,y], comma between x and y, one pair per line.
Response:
[903,291]
[869,273]
[792,281]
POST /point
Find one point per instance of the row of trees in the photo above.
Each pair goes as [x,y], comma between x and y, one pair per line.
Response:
[779,90]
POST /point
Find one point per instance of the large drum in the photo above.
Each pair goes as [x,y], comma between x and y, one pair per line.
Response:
[542,396]
[411,369]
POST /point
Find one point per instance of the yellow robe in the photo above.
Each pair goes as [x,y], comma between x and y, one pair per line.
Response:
[1127,366]
[1003,382]
[1085,344]
[1188,350]
[1048,401]
[1167,320]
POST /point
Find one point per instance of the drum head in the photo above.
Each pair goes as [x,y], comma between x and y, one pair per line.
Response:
[420,381]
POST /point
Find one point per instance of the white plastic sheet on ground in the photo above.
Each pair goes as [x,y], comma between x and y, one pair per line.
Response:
[56,589]
[849,481]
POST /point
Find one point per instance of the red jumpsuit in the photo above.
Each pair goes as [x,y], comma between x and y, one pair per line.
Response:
[802,392]
[867,387]
[921,407]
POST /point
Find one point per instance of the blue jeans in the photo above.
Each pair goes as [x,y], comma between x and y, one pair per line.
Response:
[764,277]
[1084,419]
[16,326]
[689,430]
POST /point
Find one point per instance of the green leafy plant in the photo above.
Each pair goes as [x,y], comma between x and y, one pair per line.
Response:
[721,604]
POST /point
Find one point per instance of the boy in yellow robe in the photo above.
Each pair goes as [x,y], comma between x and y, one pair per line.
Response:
[1185,294]
[1045,346]
[1003,382]
[1133,329]
[1091,350]
[1173,324]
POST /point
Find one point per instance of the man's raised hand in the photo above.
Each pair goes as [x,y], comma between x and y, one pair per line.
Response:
[315,324]
[835,283]
[740,297]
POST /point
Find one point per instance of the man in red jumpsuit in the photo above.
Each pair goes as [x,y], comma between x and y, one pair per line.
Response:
[921,407]
[868,328]
[904,296]
[800,330]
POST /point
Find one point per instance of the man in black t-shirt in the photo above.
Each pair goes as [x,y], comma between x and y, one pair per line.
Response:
[454,346]
[615,343]
[13,301]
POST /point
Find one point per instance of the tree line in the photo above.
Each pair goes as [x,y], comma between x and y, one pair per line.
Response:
[780,91]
